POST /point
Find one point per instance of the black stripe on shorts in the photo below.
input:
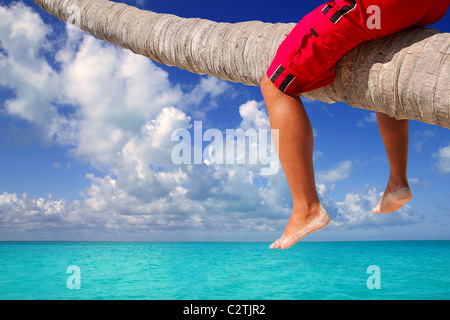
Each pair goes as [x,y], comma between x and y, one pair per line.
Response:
[326,9]
[341,12]
[286,82]
[277,73]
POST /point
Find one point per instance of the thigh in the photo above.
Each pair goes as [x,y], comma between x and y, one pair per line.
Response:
[306,59]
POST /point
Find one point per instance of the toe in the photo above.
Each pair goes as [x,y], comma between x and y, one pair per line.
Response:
[276,244]
[377,209]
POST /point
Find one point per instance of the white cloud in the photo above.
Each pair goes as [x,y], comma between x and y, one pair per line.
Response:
[355,212]
[254,116]
[122,111]
[338,173]
[417,183]
[61,219]
[26,71]
[421,137]
[371,117]
[443,159]
[22,30]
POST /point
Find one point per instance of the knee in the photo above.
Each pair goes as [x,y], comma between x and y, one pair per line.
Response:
[266,86]
[271,93]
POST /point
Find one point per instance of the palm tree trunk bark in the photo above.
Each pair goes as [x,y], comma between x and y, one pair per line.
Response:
[405,75]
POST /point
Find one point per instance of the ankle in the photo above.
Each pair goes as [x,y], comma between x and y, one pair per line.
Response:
[306,208]
[398,182]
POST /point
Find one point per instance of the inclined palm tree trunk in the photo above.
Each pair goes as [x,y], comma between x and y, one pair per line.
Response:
[406,75]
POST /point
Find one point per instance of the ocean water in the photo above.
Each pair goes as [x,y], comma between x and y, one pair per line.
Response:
[225,270]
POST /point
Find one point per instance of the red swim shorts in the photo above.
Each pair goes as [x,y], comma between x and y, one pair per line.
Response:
[306,60]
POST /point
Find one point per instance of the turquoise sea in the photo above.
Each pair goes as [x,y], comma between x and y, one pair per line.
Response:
[224,270]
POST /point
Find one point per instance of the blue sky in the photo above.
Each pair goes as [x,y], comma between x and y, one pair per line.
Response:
[85,144]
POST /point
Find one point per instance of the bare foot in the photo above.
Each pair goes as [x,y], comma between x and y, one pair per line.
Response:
[393,199]
[297,228]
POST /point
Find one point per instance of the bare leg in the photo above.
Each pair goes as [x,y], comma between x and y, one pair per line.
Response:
[295,151]
[395,135]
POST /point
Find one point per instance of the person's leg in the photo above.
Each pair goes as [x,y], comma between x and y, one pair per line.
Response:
[395,135]
[295,151]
